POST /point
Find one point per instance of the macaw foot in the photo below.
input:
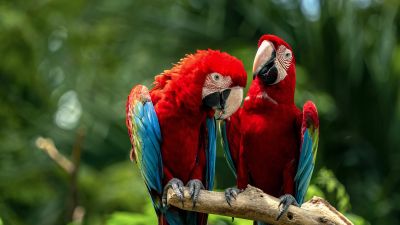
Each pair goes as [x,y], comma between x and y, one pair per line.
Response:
[195,186]
[286,201]
[177,187]
[231,193]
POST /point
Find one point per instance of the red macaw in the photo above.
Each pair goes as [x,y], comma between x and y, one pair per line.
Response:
[172,127]
[269,142]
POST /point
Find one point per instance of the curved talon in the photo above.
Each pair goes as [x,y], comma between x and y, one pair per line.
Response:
[177,187]
[195,186]
[285,201]
[230,194]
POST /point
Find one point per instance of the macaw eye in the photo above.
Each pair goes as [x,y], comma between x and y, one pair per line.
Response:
[288,54]
[215,76]
[216,82]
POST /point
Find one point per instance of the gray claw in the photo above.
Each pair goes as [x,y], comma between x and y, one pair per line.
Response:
[285,202]
[230,194]
[195,186]
[177,187]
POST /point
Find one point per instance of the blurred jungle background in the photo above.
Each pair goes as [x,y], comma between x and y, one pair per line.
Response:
[67,66]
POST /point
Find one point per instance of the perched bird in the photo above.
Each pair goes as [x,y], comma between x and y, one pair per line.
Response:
[269,143]
[172,127]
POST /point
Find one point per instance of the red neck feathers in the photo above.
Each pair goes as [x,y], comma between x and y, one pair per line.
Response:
[281,93]
[180,88]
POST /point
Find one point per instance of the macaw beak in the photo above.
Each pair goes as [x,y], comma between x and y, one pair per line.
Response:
[217,100]
[225,102]
[264,63]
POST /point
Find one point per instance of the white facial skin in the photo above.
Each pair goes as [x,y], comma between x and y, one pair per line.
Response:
[232,103]
[216,82]
[282,61]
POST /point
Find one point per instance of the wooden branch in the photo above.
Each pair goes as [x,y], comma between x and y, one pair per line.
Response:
[253,204]
[74,212]
[47,145]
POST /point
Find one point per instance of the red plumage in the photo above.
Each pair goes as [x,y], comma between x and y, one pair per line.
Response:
[265,134]
[177,99]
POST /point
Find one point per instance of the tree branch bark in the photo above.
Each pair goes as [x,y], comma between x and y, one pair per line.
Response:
[253,204]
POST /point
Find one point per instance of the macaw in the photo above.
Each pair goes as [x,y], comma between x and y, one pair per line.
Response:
[172,127]
[269,143]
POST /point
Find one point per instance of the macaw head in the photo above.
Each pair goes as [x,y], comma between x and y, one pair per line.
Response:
[223,85]
[274,68]
[210,81]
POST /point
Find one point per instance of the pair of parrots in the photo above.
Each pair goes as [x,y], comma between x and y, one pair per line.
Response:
[268,142]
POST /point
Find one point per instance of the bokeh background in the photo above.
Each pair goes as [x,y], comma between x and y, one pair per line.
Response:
[66,68]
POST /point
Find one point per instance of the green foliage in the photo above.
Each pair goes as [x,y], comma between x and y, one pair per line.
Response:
[326,185]
[68,66]
[113,188]
[125,218]
[224,220]
[357,220]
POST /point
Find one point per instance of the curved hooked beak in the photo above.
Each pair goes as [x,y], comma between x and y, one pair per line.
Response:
[225,102]
[264,63]
[217,100]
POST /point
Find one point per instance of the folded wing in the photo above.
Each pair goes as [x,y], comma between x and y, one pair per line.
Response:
[308,150]
[145,136]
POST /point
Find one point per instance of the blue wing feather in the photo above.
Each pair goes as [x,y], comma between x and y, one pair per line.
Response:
[305,168]
[309,146]
[147,127]
[146,139]
[305,155]
[211,152]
